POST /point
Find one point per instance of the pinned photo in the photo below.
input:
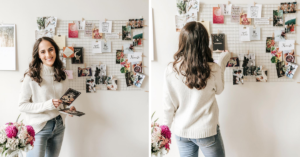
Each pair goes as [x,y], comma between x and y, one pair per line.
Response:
[263,77]
[137,67]
[238,77]
[126,33]
[125,66]
[138,79]
[270,42]
[233,62]
[80,24]
[68,52]
[276,54]
[191,16]
[119,56]
[279,35]
[96,34]
[258,71]
[105,46]
[244,20]
[137,38]
[277,18]
[113,85]
[280,68]
[128,48]
[70,96]
[180,21]
[289,25]
[218,18]
[90,85]
[82,72]
[288,7]
[290,70]
[129,79]
[73,31]
[46,22]
[289,56]
[136,23]
[99,70]
[78,55]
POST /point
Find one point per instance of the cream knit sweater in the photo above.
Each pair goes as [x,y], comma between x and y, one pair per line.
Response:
[41,109]
[194,113]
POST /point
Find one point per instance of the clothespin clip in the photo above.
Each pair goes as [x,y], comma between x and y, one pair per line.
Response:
[278,8]
[144,25]
[122,48]
[58,34]
[219,6]
[96,40]
[218,32]
[273,35]
[270,19]
[230,54]
[146,91]
[245,27]
[105,40]
[84,65]
[99,63]
[248,52]
[254,27]
[143,66]
[143,55]
[143,39]
[105,20]
[73,44]
[296,43]
[73,21]
[120,34]
[202,20]
[254,4]
[228,2]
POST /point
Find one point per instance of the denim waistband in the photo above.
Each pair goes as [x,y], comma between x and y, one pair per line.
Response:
[56,118]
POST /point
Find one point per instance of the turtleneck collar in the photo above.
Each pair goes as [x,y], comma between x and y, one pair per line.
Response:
[47,70]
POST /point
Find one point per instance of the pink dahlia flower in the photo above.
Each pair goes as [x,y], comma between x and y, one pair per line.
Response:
[11,131]
[165,131]
[31,132]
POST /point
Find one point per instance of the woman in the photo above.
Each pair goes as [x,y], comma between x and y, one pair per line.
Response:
[190,85]
[43,84]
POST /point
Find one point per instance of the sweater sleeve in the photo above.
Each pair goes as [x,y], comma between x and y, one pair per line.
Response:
[169,108]
[24,100]
[219,76]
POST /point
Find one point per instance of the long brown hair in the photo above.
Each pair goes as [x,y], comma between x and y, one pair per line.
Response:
[35,65]
[194,54]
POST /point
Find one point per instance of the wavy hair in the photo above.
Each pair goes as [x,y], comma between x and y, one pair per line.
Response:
[35,65]
[193,55]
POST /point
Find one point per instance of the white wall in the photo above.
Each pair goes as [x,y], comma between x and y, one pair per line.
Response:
[116,123]
[257,119]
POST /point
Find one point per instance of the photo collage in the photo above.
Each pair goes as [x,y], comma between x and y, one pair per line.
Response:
[187,11]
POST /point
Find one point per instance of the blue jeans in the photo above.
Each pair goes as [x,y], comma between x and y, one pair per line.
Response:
[210,146]
[49,140]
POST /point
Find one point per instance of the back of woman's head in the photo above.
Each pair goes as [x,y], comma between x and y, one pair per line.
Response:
[193,55]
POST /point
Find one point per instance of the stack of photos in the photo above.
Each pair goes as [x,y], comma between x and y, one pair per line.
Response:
[277,18]
[70,96]
[280,68]
[69,112]
[279,35]
[125,66]
[119,56]
[111,83]
[288,7]
[187,11]
[218,41]
[126,33]
[269,44]
[238,77]
[288,57]
[137,38]
[136,23]
[290,70]
[78,55]
[138,79]
[82,72]
[45,27]
[129,79]
[233,62]
[244,20]
[218,18]
[90,85]
[289,25]
[137,67]
[263,77]
[276,54]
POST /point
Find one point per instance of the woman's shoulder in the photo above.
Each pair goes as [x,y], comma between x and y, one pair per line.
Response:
[214,67]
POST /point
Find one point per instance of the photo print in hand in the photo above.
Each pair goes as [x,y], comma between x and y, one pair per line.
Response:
[70,96]
[78,55]
[69,112]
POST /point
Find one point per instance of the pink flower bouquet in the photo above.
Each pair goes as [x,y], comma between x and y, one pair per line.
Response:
[160,139]
[16,137]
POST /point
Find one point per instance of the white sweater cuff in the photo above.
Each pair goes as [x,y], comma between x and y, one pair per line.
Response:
[49,105]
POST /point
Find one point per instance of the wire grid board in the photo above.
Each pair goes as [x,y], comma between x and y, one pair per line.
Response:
[258,47]
[79,83]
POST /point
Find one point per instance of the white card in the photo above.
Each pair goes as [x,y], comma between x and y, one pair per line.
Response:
[254,33]
[235,13]
[113,35]
[254,11]
[278,35]
[287,45]
[244,34]
[262,21]
[226,9]
[60,41]
[105,26]
[80,25]
[106,46]
[135,57]
[96,47]
[88,30]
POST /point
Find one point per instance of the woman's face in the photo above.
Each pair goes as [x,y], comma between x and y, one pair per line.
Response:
[47,53]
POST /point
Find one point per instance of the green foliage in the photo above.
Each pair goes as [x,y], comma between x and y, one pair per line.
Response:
[41,23]
[182,7]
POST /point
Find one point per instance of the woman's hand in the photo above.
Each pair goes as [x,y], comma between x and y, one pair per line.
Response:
[225,51]
[72,108]
[56,102]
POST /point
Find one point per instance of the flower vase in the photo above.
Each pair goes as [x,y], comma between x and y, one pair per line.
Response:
[17,153]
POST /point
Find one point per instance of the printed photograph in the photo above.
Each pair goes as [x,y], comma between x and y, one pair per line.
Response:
[73,31]
[128,48]
[78,55]
[193,5]
[70,96]
[137,38]
[7,36]
[235,13]
[105,26]
[99,70]
[280,68]
[218,41]
[289,25]
[98,80]
[263,77]
[226,9]
[82,72]
[249,70]
[288,7]
[279,35]
[137,67]
[80,24]
[244,20]
[136,23]
[289,56]
[180,21]
[45,22]
[238,77]
[249,59]
[68,52]
[181,6]
[270,42]
[277,18]
[113,85]
[129,79]
[276,55]
[233,62]
[126,33]
[138,79]
[103,80]
[290,70]
[119,56]
[90,85]
[96,34]
[74,113]
[191,16]
[125,66]
[218,18]
[105,46]
[258,71]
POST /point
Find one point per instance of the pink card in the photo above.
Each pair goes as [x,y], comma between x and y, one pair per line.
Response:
[218,18]
[73,32]
[69,73]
